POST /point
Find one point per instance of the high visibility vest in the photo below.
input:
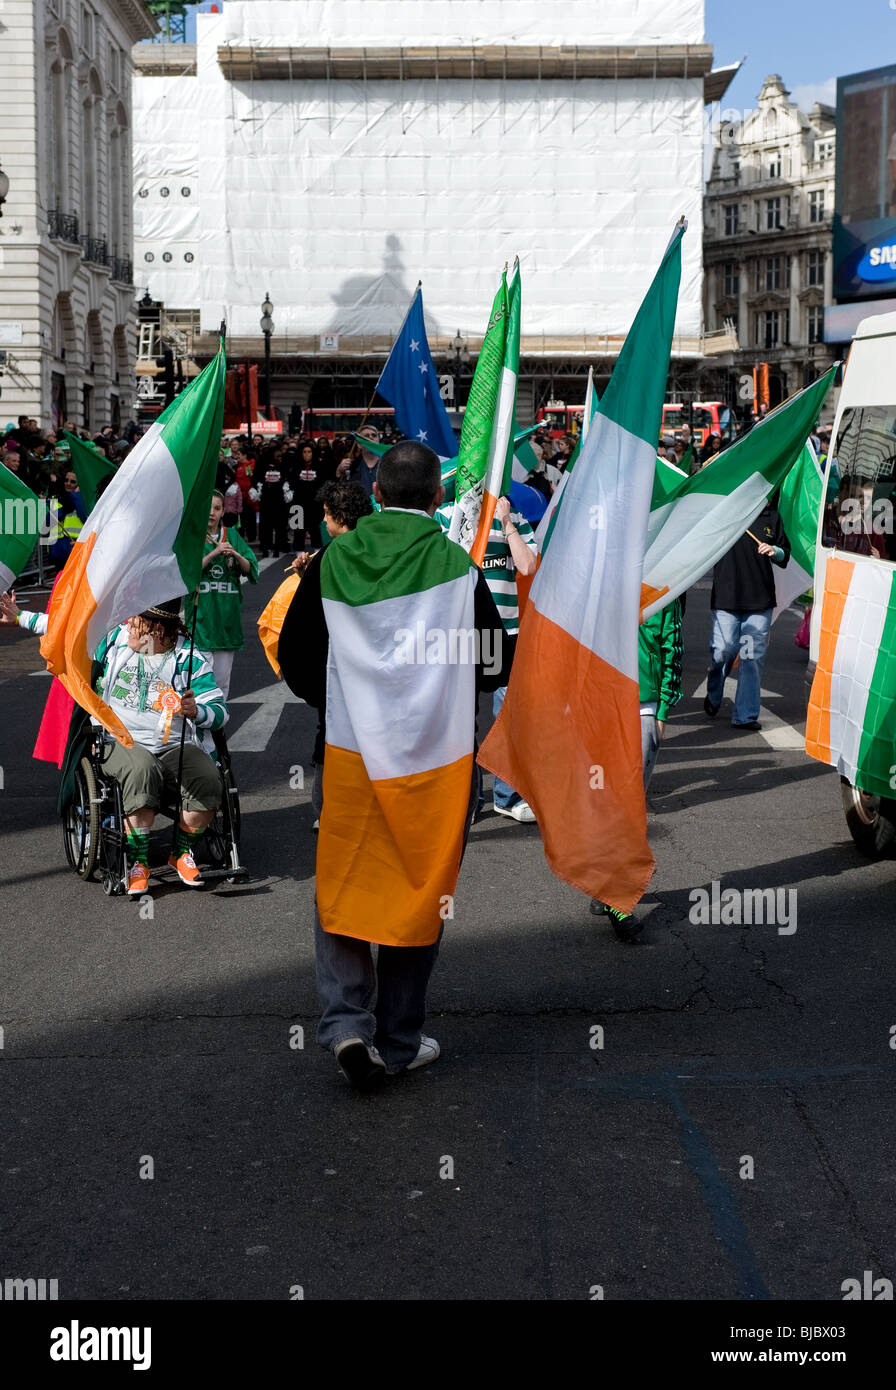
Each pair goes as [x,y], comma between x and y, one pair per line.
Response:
[71,526]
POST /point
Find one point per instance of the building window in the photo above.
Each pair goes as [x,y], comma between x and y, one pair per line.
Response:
[815,323]
[188,257]
[773,273]
[772,214]
[732,219]
[815,268]
[731,279]
[87,30]
[772,327]
[149,256]
[166,256]
[824,149]
[774,164]
[735,170]
[816,205]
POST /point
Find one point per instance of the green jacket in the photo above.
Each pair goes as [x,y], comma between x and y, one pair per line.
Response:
[659,659]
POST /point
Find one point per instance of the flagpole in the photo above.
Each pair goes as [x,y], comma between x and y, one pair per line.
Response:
[397,336]
[183,726]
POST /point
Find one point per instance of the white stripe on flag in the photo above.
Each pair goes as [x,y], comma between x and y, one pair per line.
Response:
[593,533]
[376,717]
[855,657]
[144,496]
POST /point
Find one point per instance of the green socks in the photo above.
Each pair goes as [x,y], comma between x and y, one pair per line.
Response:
[138,845]
[184,840]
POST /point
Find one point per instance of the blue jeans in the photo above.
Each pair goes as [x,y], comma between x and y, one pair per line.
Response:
[503,795]
[348,982]
[745,636]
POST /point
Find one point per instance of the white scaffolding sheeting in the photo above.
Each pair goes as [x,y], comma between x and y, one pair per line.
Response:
[384,23]
[167,124]
[336,195]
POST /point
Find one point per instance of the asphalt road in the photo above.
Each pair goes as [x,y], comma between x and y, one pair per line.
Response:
[527,1163]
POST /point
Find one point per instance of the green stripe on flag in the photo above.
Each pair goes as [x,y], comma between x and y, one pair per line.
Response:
[636,390]
[478,422]
[21,512]
[876,756]
[388,555]
[798,507]
[191,431]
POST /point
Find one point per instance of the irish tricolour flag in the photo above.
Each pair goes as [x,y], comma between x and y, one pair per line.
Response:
[696,523]
[143,541]
[851,722]
[568,737]
[400,728]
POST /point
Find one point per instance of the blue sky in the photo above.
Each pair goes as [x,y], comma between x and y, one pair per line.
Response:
[809,42]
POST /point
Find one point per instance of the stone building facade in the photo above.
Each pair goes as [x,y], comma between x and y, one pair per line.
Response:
[67,304]
[767,226]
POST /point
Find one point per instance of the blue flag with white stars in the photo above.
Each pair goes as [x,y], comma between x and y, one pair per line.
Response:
[410,384]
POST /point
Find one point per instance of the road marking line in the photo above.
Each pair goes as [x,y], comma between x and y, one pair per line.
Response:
[778,734]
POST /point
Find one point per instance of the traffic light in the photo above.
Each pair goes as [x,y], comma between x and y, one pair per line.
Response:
[166,364]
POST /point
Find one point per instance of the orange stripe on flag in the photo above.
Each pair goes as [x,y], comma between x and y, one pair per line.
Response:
[389,851]
[650,595]
[837,579]
[568,739]
[486,517]
[64,645]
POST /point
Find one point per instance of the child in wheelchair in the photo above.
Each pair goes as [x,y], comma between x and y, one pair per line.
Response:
[148,682]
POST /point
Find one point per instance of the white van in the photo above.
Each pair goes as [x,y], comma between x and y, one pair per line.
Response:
[857,517]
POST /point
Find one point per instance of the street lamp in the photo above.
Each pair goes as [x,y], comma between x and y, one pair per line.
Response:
[267,328]
[461,359]
[4,189]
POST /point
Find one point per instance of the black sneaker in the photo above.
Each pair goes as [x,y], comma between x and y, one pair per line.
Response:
[625,924]
[360,1064]
[598,909]
[709,709]
[753,725]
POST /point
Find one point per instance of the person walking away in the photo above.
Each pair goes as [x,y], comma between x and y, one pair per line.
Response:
[742,603]
[398,773]
[219,619]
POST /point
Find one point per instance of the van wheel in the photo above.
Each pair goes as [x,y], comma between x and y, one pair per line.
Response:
[870,819]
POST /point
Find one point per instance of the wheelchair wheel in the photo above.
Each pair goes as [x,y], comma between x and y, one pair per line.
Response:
[81,822]
[223,835]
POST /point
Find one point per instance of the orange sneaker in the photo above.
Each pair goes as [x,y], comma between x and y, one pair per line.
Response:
[187,869]
[138,880]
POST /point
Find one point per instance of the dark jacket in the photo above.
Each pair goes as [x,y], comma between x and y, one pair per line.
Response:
[743,580]
[304,641]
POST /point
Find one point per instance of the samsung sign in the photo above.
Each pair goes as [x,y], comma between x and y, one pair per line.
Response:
[879,263]
[865,196]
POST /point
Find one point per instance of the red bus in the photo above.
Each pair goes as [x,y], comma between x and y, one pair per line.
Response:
[335,421]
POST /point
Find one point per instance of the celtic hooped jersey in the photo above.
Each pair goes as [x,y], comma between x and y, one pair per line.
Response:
[219,622]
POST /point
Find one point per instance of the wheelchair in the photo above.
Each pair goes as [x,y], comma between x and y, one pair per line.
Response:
[93,820]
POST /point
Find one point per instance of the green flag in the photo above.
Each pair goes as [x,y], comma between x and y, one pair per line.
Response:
[90,467]
[485,455]
[20,517]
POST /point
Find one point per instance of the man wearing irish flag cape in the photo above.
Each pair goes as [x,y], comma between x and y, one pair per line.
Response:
[400,627]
